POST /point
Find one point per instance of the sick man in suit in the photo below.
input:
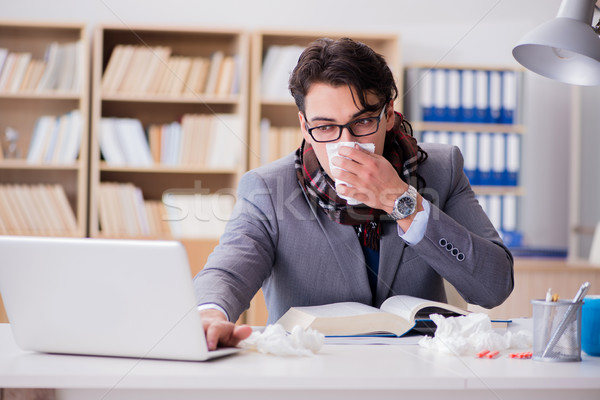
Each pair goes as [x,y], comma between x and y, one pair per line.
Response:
[413,220]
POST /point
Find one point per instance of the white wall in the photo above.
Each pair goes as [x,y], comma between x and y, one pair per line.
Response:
[480,32]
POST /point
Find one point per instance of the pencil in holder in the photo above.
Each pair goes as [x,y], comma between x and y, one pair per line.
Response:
[556,330]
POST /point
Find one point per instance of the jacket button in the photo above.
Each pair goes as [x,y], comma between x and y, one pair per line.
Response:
[460,256]
[449,247]
[454,252]
[443,242]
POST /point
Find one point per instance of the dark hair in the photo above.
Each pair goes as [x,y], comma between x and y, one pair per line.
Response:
[343,62]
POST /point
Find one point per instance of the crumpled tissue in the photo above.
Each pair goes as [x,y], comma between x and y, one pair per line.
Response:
[275,340]
[470,334]
[333,150]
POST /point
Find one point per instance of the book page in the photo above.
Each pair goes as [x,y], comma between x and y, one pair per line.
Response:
[408,307]
[346,309]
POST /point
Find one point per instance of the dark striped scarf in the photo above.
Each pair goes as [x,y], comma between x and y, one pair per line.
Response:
[400,149]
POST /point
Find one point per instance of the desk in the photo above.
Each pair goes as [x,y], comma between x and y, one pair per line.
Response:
[337,372]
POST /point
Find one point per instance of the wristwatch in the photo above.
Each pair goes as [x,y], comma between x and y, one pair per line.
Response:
[405,204]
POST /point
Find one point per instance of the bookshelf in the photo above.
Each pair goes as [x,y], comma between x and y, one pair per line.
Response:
[477,109]
[44,82]
[176,83]
[271,101]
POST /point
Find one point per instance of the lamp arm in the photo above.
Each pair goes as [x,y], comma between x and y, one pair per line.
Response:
[582,10]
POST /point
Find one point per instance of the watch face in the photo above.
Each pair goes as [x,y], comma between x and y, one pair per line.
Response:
[406,205]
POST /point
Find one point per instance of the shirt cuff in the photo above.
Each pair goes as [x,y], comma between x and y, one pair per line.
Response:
[212,306]
[417,228]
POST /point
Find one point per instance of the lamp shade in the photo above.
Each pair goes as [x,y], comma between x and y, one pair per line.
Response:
[565,49]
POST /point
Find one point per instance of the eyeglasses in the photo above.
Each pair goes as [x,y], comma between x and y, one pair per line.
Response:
[358,127]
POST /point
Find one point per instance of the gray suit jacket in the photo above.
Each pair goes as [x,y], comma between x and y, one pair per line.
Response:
[276,239]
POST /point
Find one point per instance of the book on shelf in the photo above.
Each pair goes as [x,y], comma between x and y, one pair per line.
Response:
[123,142]
[38,209]
[209,141]
[136,70]
[278,141]
[61,69]
[279,61]
[56,139]
[397,316]
[123,212]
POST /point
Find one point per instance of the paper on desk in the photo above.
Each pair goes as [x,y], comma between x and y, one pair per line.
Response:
[470,334]
[275,340]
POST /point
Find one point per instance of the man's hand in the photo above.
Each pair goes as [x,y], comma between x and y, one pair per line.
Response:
[220,332]
[374,180]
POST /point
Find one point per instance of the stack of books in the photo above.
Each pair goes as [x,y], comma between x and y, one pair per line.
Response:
[38,210]
[278,141]
[139,70]
[200,140]
[56,140]
[60,70]
[123,212]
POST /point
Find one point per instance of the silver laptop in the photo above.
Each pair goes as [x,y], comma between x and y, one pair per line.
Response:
[127,298]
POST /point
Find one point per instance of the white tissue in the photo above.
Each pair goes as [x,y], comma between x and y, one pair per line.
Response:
[470,334]
[333,150]
[275,340]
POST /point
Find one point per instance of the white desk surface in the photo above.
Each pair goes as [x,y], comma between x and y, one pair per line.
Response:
[336,372]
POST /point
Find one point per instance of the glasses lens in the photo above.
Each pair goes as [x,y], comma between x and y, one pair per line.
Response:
[325,133]
[364,126]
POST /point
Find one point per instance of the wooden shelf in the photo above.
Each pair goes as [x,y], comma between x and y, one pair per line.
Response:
[156,98]
[159,109]
[21,110]
[163,169]
[467,127]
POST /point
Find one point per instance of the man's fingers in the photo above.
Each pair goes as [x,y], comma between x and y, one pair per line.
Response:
[225,334]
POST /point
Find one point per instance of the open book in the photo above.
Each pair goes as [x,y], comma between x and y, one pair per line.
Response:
[396,316]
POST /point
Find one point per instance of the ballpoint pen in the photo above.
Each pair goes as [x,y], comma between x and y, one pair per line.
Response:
[567,318]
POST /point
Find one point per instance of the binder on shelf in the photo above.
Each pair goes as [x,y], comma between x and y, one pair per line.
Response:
[425,83]
[484,159]
[458,139]
[467,95]
[440,101]
[498,159]
[509,97]
[454,96]
[495,97]
[471,157]
[443,137]
[429,137]
[513,158]
[495,211]
[482,105]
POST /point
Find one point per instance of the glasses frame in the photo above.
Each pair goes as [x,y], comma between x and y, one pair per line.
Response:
[347,126]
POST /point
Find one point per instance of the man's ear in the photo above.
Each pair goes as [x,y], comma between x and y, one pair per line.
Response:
[303,126]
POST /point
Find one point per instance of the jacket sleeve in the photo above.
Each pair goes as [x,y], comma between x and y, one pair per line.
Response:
[243,259]
[460,242]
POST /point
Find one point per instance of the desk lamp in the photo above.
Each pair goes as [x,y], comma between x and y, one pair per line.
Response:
[567,48]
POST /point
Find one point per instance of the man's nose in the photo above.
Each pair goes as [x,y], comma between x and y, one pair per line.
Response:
[346,135]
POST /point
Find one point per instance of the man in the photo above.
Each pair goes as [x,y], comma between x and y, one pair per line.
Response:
[291,233]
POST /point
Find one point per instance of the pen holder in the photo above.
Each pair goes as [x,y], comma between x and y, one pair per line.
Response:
[556,330]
